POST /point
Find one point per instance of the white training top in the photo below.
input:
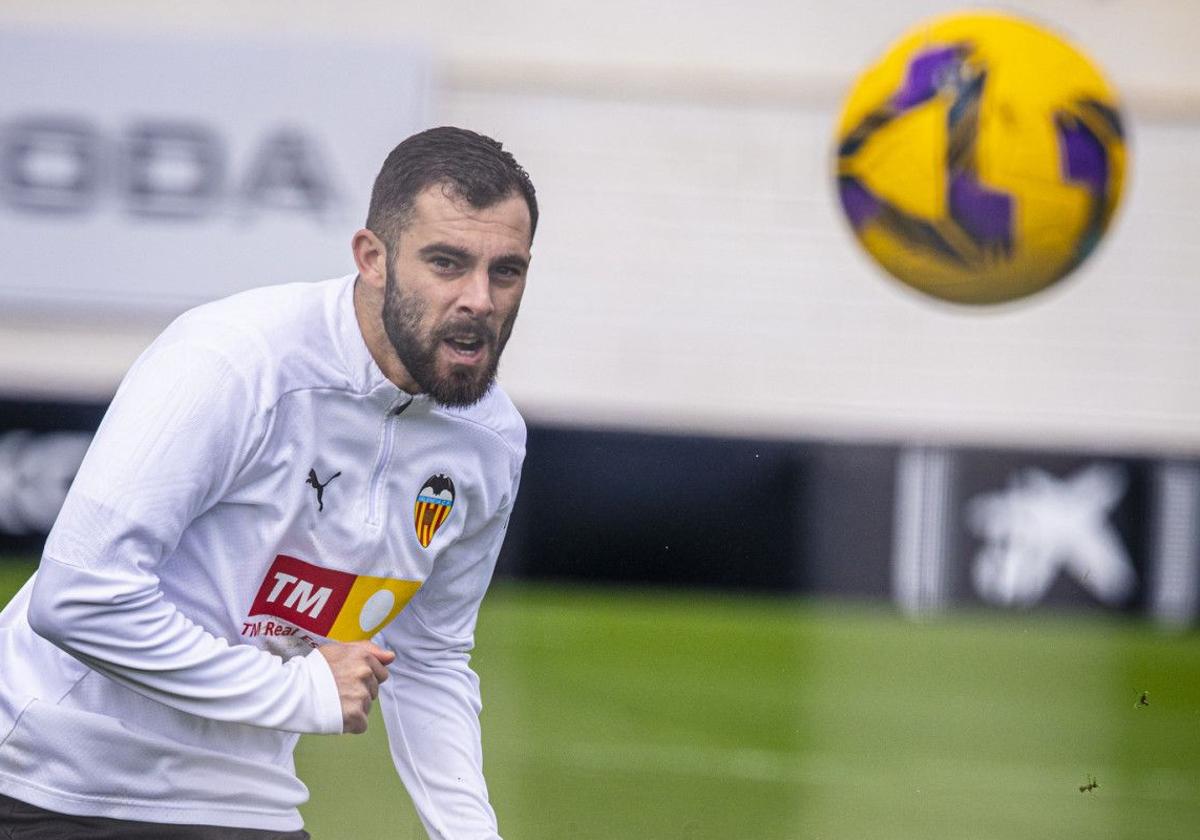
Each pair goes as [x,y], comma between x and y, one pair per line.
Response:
[258,488]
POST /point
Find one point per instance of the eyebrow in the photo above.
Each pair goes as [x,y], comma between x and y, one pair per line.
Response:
[445,249]
[463,255]
[512,259]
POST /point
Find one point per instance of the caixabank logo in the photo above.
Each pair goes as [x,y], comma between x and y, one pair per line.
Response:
[325,602]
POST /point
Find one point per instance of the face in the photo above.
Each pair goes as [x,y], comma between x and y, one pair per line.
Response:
[454,285]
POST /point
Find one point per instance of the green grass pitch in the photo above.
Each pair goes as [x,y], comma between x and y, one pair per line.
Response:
[682,716]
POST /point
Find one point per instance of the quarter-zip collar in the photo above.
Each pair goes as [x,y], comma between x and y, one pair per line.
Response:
[364,374]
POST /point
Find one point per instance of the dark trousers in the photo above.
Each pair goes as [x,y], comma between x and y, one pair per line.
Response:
[22,821]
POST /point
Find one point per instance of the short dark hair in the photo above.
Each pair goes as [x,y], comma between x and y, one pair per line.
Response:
[475,168]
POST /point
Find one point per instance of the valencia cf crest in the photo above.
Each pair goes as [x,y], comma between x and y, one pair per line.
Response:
[433,507]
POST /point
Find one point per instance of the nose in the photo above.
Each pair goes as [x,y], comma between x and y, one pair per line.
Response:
[475,296]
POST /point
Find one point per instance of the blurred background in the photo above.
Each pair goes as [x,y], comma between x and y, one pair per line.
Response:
[799,552]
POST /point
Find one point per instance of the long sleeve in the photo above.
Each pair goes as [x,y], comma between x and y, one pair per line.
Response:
[180,427]
[431,702]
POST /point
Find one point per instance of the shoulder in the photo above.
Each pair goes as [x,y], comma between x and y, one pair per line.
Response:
[496,413]
[269,315]
[278,338]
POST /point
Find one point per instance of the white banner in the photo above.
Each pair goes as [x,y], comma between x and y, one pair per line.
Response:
[154,173]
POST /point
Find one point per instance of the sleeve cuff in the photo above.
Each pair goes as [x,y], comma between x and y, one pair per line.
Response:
[326,700]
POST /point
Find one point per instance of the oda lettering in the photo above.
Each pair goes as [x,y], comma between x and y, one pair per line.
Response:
[158,169]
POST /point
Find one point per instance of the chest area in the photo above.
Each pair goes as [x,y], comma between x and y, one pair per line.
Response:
[349,478]
[357,503]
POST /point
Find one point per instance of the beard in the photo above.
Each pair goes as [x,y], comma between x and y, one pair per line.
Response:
[462,385]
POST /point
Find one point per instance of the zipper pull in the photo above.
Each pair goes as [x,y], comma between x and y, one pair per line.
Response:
[398,407]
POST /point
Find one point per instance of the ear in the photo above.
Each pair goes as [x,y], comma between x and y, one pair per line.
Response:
[370,256]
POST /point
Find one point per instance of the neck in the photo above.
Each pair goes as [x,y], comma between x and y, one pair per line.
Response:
[368,311]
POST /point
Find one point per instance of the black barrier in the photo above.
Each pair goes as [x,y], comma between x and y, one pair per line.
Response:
[619,507]
[41,446]
[927,527]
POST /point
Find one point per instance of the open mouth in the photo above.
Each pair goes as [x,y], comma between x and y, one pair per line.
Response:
[468,347]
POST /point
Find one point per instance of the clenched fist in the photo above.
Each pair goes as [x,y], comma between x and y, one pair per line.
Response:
[358,668]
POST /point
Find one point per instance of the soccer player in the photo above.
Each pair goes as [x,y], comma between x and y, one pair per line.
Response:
[293,506]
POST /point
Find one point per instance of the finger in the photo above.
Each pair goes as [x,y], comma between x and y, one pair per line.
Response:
[378,669]
[354,722]
[372,686]
[384,656]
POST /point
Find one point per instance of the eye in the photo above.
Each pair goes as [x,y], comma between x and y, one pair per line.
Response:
[443,264]
[507,274]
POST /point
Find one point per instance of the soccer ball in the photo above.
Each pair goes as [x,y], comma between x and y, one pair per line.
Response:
[981,159]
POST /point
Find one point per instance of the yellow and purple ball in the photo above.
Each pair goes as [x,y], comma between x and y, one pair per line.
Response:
[981,159]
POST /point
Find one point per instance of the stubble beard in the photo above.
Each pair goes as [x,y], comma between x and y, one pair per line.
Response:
[462,386]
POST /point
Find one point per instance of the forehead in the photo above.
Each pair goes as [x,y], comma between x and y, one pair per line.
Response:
[439,215]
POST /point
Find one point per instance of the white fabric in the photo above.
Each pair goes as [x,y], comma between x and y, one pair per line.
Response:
[158,665]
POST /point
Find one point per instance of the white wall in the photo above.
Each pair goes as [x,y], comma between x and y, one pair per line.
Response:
[692,272]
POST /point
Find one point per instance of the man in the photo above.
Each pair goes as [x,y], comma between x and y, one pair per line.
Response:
[293,505]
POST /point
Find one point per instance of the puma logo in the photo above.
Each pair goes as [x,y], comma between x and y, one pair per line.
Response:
[320,487]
